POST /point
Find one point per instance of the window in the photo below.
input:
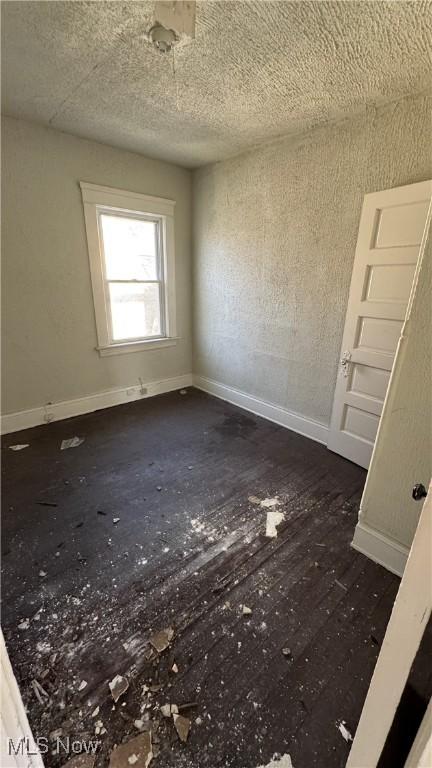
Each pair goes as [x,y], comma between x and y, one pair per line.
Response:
[131,251]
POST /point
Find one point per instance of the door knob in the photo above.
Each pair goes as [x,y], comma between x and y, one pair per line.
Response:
[345,362]
[419,492]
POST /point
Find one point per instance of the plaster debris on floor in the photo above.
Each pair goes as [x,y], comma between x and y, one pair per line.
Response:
[118,686]
[72,442]
[169,709]
[182,726]
[137,752]
[161,640]
[279,762]
[19,447]
[217,611]
[273,520]
[287,653]
[344,731]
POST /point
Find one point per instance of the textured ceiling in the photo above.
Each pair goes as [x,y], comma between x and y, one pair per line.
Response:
[255,70]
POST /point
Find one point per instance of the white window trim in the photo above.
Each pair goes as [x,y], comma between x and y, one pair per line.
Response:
[95,197]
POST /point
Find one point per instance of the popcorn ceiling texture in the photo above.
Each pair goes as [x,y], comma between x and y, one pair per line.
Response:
[255,71]
[275,233]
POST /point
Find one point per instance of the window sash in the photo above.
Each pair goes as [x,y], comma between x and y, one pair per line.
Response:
[159,250]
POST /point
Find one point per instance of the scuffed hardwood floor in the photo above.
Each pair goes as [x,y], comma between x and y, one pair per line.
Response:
[189,551]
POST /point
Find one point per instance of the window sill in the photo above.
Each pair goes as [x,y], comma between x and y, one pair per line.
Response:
[126,347]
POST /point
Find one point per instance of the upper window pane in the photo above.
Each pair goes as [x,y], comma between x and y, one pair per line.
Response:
[129,248]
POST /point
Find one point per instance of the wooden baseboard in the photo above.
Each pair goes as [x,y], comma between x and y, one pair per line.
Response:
[380,548]
[14,422]
[294,421]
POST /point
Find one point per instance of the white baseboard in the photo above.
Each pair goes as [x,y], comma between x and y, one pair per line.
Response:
[14,422]
[380,548]
[308,427]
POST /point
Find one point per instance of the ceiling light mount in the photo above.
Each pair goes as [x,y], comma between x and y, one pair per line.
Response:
[162,38]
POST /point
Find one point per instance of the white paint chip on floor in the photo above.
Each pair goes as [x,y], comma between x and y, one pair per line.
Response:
[279,762]
[72,442]
[344,731]
[273,520]
[270,502]
[19,447]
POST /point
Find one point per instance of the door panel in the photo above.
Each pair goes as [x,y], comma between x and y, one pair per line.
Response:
[388,245]
[401,225]
[378,334]
[389,282]
[368,381]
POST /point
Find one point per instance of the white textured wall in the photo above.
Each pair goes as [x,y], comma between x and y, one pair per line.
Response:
[403,450]
[274,238]
[48,325]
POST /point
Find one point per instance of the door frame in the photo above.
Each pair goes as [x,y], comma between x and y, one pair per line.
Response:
[14,721]
[411,611]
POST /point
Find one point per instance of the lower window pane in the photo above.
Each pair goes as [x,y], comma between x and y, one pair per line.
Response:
[135,310]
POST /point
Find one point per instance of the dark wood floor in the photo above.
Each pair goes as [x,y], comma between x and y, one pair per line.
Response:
[189,551]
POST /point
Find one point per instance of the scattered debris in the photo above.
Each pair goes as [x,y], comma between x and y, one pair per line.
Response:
[158,487]
[254,500]
[273,520]
[161,640]
[246,611]
[40,692]
[82,685]
[287,653]
[198,721]
[95,712]
[183,391]
[187,705]
[138,751]
[42,574]
[174,668]
[47,503]
[116,520]
[182,726]
[344,731]
[24,624]
[72,442]
[279,762]
[342,586]
[81,761]
[19,447]
[99,727]
[139,724]
[56,734]
[169,709]
[266,503]
[118,686]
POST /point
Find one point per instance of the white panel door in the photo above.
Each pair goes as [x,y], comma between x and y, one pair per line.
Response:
[391,230]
